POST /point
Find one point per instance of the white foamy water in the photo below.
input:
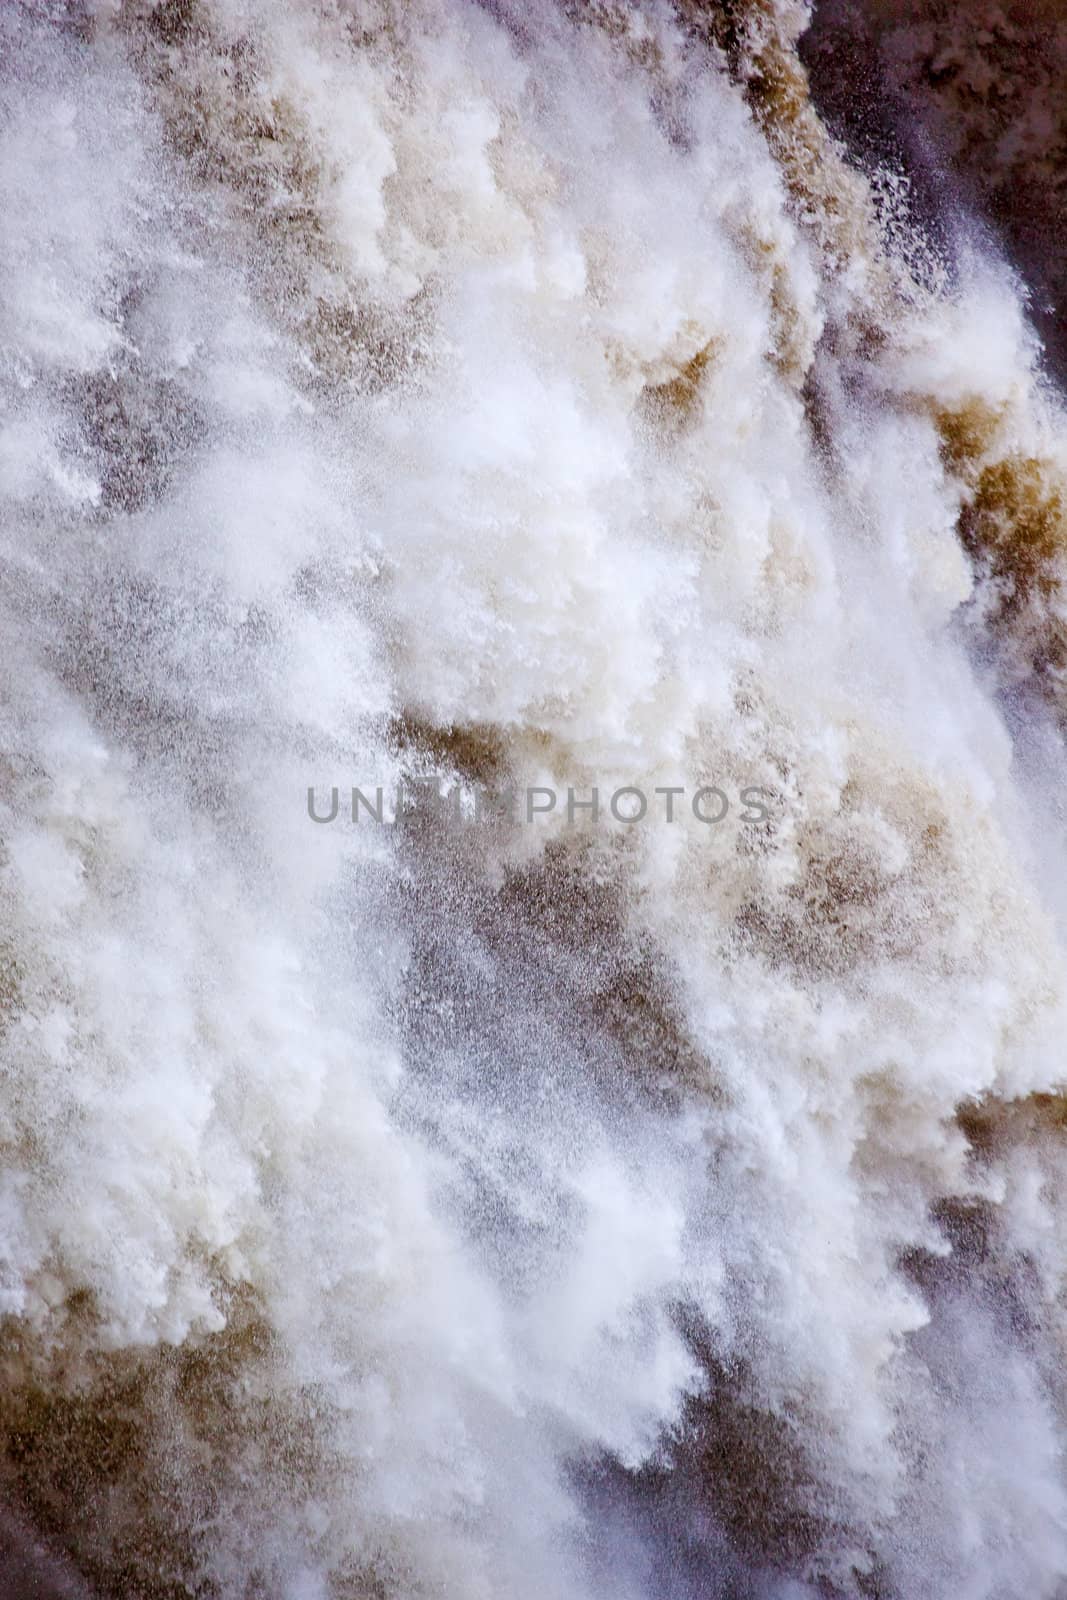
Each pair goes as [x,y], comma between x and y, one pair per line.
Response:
[517,1211]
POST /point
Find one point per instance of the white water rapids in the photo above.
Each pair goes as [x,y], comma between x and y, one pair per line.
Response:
[525,393]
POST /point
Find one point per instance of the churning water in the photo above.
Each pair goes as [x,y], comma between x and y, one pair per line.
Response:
[531,394]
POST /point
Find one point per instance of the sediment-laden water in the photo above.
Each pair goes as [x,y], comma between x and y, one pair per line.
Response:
[534,397]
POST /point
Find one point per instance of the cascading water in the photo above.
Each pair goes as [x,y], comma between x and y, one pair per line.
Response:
[527,396]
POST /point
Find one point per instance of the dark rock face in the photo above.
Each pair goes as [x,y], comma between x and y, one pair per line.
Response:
[971,103]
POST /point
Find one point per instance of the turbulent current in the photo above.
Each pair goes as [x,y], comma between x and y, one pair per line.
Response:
[494,1197]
